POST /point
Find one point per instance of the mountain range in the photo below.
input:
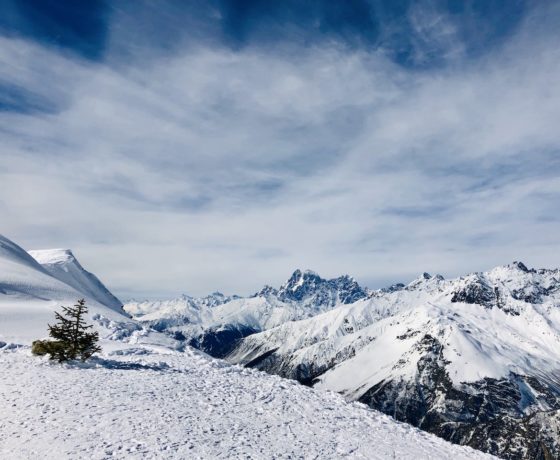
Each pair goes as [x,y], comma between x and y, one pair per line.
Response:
[473,359]
[148,395]
[216,323]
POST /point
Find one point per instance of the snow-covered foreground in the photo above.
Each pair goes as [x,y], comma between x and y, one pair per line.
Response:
[145,404]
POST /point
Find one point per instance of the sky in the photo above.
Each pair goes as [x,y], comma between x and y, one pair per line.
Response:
[201,145]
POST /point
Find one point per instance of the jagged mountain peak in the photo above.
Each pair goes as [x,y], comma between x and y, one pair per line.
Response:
[214,299]
[300,277]
[308,287]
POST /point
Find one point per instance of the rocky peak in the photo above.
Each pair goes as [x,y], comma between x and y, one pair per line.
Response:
[475,290]
[393,288]
[267,291]
[211,300]
[301,285]
[519,266]
[217,298]
[307,287]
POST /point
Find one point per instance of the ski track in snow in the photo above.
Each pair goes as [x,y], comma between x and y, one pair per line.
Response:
[188,406]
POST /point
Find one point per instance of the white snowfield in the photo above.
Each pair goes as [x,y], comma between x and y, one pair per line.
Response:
[61,264]
[143,404]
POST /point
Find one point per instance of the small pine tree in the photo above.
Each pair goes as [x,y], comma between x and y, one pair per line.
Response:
[72,339]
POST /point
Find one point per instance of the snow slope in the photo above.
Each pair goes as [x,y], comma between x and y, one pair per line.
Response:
[61,264]
[143,404]
[21,274]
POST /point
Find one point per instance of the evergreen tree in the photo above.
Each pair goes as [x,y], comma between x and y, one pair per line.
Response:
[72,339]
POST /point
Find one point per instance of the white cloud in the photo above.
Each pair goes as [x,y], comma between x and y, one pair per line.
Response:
[225,170]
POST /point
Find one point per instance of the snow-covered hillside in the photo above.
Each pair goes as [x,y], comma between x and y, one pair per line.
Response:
[471,359]
[31,290]
[142,404]
[216,323]
[61,264]
[21,275]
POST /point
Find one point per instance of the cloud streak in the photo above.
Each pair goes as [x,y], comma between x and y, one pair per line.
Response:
[213,168]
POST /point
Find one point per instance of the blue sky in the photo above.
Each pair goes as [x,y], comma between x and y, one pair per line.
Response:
[194,146]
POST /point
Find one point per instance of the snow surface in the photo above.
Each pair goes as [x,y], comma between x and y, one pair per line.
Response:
[145,403]
[62,265]
[20,274]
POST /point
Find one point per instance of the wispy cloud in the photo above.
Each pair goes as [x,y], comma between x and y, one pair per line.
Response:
[217,169]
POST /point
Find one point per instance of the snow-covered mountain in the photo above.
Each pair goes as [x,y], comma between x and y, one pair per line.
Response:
[216,323]
[61,264]
[32,289]
[475,360]
[22,275]
[309,289]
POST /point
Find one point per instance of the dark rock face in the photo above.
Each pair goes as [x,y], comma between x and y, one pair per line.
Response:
[273,363]
[521,266]
[486,415]
[530,294]
[480,292]
[393,288]
[219,342]
[306,373]
[309,286]
[477,292]
[267,291]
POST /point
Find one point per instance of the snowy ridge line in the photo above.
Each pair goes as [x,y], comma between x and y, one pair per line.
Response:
[63,265]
